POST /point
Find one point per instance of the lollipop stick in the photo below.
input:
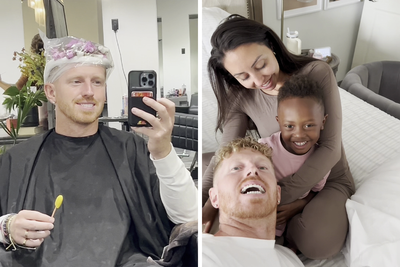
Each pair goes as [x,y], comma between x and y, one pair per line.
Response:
[54,211]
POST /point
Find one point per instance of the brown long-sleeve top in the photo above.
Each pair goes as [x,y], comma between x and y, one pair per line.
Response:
[261,108]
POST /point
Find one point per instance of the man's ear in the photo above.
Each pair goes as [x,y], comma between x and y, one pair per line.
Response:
[50,92]
[213,193]
[278,194]
[277,119]
[323,121]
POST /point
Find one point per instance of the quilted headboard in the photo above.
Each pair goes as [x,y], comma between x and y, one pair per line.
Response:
[251,9]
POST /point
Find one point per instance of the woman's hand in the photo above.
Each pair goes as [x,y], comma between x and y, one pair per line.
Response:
[209,213]
[287,211]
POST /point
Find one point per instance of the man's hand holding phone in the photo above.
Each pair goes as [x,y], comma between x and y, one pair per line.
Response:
[159,143]
[135,100]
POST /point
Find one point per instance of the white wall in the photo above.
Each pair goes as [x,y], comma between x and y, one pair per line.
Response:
[194,54]
[138,41]
[336,27]
[175,35]
[12,39]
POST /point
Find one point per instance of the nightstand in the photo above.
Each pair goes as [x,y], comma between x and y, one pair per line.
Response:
[333,60]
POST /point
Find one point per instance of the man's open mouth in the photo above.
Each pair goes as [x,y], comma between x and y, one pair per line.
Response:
[252,189]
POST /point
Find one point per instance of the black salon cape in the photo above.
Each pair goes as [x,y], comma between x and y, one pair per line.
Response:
[135,172]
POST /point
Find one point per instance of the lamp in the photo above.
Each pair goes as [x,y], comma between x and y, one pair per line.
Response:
[40,14]
[31,3]
[282,13]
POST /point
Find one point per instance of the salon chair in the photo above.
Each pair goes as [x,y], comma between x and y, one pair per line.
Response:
[185,131]
[193,108]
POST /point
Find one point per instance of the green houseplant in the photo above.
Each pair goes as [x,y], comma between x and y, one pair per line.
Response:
[24,99]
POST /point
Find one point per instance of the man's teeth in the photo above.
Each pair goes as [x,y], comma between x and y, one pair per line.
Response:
[87,105]
[300,143]
[252,189]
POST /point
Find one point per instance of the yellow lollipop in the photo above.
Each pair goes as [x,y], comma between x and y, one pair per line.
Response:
[59,201]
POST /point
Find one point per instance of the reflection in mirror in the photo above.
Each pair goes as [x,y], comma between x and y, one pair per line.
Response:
[137,37]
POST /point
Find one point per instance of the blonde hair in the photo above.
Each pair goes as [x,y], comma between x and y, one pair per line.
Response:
[238,144]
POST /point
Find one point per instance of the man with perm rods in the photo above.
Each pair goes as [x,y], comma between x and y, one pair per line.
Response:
[122,196]
[246,192]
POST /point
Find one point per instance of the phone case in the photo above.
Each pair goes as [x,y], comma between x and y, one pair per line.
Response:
[142,78]
[135,99]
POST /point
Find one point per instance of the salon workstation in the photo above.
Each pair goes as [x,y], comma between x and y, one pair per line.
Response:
[158,47]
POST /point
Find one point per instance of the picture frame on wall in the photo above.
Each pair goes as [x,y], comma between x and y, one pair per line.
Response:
[297,7]
[328,4]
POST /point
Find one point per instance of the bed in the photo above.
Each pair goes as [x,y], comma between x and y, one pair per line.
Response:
[371,140]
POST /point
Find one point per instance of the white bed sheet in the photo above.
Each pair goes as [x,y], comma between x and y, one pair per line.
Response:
[371,138]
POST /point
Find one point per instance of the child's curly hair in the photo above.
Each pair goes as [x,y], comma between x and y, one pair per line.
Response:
[300,86]
[239,144]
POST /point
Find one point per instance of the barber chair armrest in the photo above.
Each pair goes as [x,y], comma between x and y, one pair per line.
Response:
[183,109]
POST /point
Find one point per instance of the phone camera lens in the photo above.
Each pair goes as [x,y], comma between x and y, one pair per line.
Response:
[151,83]
[151,76]
[144,79]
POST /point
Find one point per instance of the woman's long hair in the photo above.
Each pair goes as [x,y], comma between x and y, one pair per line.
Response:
[232,33]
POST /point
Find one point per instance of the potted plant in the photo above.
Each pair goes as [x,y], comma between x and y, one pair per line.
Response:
[32,65]
[25,100]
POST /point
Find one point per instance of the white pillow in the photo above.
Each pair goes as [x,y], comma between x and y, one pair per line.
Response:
[374,216]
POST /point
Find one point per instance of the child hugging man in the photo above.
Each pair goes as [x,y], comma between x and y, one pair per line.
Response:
[301,118]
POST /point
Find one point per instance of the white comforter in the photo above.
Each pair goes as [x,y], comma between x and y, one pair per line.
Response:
[371,140]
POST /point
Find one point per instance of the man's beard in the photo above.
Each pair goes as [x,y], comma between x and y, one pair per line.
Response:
[258,209]
[82,117]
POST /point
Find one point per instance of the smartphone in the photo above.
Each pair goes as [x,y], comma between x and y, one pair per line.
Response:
[135,99]
[142,78]
[141,83]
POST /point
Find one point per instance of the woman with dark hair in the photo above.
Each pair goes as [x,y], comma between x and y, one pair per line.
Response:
[247,67]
